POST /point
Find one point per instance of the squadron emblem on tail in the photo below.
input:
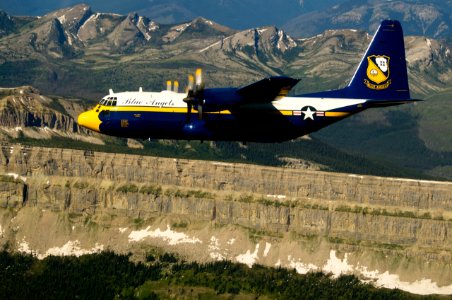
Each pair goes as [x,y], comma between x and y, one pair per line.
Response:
[377,72]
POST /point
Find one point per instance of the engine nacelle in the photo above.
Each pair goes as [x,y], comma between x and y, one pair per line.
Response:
[219,99]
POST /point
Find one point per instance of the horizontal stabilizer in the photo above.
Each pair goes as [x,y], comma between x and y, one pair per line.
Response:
[266,90]
[388,102]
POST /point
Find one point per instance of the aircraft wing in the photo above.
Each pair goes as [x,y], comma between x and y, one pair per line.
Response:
[266,90]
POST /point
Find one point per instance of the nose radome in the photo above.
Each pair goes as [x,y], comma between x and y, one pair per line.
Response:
[89,119]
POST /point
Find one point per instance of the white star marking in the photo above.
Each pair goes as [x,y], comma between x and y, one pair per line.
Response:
[308,114]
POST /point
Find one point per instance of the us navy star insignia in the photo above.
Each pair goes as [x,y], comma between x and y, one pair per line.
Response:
[308,112]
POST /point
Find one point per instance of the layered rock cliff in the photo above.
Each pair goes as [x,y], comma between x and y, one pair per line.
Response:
[25,112]
[57,201]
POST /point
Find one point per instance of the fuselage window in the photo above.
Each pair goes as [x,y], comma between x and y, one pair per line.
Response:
[109,102]
[114,102]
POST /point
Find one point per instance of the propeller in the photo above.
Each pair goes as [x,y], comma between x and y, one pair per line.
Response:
[195,94]
[190,96]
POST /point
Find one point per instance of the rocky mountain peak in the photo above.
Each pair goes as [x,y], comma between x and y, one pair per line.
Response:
[201,22]
[133,30]
[98,25]
[198,28]
[50,38]
[144,25]
[421,49]
[6,23]
[71,18]
[274,39]
[267,40]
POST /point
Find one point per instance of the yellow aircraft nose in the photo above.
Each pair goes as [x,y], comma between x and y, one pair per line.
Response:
[89,119]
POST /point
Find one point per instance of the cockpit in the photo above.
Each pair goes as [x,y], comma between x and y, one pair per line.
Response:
[108,101]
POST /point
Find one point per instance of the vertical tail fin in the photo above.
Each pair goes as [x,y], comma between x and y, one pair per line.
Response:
[382,73]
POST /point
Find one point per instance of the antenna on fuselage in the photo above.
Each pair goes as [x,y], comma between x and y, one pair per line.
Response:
[168,85]
[176,86]
[140,90]
[110,91]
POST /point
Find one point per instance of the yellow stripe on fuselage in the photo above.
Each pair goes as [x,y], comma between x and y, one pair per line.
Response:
[177,110]
[336,114]
[154,109]
[184,110]
[286,112]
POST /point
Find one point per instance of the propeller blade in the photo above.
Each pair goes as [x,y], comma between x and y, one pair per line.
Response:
[200,110]
[198,77]
[190,98]
[191,82]
[195,94]
[190,93]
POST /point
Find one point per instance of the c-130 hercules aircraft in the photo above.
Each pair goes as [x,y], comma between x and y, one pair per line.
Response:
[261,111]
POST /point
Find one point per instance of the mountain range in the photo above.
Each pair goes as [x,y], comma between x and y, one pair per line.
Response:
[77,52]
[301,18]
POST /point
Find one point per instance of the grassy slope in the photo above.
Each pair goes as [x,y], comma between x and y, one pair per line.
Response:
[435,120]
[394,137]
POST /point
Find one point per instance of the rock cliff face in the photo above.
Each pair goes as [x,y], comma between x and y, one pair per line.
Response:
[25,112]
[54,199]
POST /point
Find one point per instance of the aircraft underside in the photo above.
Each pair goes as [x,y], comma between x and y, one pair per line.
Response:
[247,127]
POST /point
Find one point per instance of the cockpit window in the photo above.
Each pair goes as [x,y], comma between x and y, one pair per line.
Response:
[109,101]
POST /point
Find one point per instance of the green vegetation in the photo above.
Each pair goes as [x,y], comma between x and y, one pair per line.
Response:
[399,136]
[182,224]
[90,223]
[7,178]
[138,222]
[246,198]
[127,188]
[384,212]
[315,206]
[434,117]
[363,243]
[107,275]
[188,194]
[154,190]
[81,185]
[275,203]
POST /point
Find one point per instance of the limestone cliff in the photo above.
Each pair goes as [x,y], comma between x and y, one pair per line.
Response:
[57,200]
